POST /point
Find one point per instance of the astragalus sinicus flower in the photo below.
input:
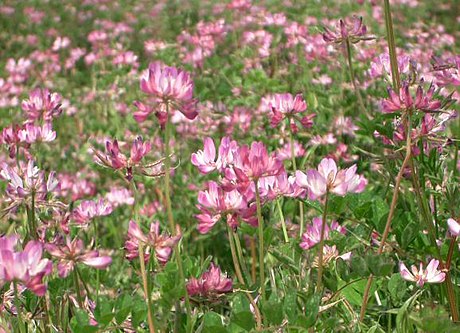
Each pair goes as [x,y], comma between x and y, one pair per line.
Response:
[29,186]
[329,179]
[349,29]
[42,104]
[211,285]
[286,106]
[90,209]
[403,100]
[25,267]
[160,244]
[170,88]
[74,252]
[313,234]
[421,276]
[114,159]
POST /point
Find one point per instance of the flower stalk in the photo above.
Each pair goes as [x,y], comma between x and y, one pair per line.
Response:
[17,304]
[321,246]
[261,242]
[352,76]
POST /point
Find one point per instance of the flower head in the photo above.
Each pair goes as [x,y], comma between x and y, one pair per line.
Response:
[350,29]
[211,285]
[161,244]
[42,104]
[329,179]
[312,235]
[420,276]
[170,88]
[26,267]
[73,252]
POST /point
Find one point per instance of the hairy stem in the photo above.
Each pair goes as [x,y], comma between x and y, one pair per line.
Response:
[391,46]
[321,246]
[394,200]
[239,251]
[294,167]
[353,78]
[261,242]
[283,222]
[17,304]
[172,224]
[240,278]
[448,281]
[77,288]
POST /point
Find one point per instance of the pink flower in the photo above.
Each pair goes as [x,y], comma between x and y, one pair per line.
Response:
[31,133]
[73,252]
[454,227]
[27,183]
[161,244]
[313,232]
[26,267]
[205,159]
[115,159]
[431,274]
[88,210]
[211,285]
[352,29]
[404,101]
[286,106]
[328,179]
[42,104]
[215,203]
[171,87]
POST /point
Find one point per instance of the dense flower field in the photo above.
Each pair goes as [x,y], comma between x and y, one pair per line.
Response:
[229,166]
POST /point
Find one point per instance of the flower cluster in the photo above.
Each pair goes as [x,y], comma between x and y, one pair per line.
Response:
[211,285]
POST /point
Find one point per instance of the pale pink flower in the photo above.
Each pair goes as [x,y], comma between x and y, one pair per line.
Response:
[73,252]
[211,285]
[206,160]
[420,276]
[161,244]
[286,106]
[329,179]
[88,210]
[171,88]
[351,29]
[42,104]
[26,267]
[454,227]
[404,101]
[312,235]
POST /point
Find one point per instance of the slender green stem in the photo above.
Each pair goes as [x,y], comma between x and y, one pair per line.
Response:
[261,242]
[321,246]
[394,200]
[77,288]
[17,304]
[144,275]
[391,46]
[449,284]
[353,78]
[283,222]
[172,224]
[46,303]
[145,285]
[239,251]
[294,167]
[240,278]
[236,262]
[96,241]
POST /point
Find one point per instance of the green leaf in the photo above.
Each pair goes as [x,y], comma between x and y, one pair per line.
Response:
[273,310]
[397,287]
[80,323]
[379,265]
[290,305]
[213,323]
[123,307]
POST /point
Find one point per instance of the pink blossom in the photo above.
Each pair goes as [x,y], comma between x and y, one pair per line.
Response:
[328,179]
[353,30]
[161,244]
[211,285]
[42,104]
[73,252]
[26,267]
[404,101]
[286,106]
[88,210]
[454,227]
[215,203]
[431,274]
[171,87]
[313,232]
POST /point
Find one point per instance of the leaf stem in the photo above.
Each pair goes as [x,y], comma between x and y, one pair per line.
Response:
[261,242]
[321,245]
